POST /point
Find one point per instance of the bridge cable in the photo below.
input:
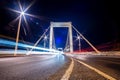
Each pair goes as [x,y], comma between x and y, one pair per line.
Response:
[38,41]
[86,40]
[66,45]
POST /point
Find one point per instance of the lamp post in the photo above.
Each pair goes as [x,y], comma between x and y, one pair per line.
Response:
[18,33]
[78,37]
[22,13]
[45,39]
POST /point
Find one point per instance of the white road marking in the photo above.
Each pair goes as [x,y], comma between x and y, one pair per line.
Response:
[68,72]
[98,71]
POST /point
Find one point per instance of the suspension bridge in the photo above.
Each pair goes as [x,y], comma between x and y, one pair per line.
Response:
[49,35]
[69,41]
[53,62]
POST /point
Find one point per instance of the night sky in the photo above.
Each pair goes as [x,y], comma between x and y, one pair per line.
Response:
[97,20]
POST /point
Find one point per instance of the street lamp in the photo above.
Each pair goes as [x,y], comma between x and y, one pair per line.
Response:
[18,32]
[45,39]
[78,38]
[22,15]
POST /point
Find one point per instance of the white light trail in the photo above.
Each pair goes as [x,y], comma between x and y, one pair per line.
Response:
[9,43]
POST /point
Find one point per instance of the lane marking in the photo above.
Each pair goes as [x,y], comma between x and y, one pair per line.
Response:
[68,72]
[96,70]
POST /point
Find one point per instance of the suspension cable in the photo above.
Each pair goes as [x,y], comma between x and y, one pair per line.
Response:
[85,39]
[38,41]
[66,45]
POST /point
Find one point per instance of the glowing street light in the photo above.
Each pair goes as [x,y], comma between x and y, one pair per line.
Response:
[78,38]
[22,15]
[18,31]
[45,39]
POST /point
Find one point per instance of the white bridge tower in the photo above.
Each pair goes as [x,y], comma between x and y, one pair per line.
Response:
[61,24]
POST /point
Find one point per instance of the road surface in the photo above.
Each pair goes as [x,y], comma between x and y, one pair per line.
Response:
[60,67]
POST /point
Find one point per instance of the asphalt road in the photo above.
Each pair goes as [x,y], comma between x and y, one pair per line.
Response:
[109,65]
[60,67]
[37,67]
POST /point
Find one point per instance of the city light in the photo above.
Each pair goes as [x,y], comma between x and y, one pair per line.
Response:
[78,37]
[45,40]
[22,15]
[45,37]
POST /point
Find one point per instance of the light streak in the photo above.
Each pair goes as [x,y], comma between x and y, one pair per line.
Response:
[26,23]
[9,43]
[20,5]
[29,6]
[16,11]
[24,31]
[14,20]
